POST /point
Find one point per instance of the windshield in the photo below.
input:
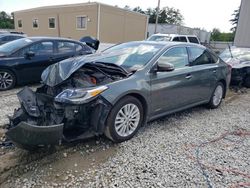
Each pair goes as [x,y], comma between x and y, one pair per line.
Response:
[131,56]
[242,54]
[158,38]
[12,46]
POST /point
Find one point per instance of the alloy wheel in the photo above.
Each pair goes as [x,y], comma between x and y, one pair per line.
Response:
[6,80]
[127,120]
[218,94]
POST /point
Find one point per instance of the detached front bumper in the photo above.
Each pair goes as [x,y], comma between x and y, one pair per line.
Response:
[29,136]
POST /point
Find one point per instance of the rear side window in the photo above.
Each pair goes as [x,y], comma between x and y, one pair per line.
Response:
[66,47]
[78,47]
[177,56]
[193,40]
[199,56]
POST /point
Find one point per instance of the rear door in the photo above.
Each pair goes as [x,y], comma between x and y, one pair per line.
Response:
[172,90]
[204,72]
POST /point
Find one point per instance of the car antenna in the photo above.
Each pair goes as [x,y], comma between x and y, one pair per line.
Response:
[229,47]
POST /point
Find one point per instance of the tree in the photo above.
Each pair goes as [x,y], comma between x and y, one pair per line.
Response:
[6,21]
[166,15]
[138,9]
[235,20]
[216,35]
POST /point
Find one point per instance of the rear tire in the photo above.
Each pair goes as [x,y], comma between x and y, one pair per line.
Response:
[7,80]
[217,96]
[247,81]
[124,120]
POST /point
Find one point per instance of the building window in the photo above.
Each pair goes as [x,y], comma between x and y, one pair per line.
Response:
[19,23]
[81,22]
[35,23]
[52,23]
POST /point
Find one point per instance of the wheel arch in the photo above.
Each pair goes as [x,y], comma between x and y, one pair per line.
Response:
[225,86]
[142,100]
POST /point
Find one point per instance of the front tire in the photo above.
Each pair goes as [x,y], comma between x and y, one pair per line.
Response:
[124,120]
[217,96]
[7,80]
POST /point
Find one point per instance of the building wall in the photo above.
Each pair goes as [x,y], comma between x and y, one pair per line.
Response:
[65,21]
[118,25]
[115,24]
[242,36]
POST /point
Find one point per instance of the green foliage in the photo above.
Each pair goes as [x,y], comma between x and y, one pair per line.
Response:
[235,19]
[166,15]
[6,21]
[216,35]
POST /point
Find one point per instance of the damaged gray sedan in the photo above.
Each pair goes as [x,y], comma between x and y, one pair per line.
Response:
[116,91]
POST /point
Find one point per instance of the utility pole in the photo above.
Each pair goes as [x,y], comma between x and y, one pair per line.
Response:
[157,15]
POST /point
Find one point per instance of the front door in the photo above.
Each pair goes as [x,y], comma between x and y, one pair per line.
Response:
[31,68]
[172,90]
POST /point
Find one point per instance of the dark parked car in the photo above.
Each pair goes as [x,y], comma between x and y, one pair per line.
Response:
[23,61]
[7,37]
[117,91]
[239,59]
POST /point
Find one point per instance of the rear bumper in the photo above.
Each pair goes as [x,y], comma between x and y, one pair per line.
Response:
[29,136]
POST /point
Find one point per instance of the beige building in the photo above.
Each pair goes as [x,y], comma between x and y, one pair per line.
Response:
[242,36]
[107,23]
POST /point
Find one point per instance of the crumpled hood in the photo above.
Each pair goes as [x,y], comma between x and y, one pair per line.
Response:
[57,73]
[237,63]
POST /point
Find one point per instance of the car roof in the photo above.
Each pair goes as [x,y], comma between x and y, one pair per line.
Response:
[10,34]
[172,35]
[51,38]
[167,43]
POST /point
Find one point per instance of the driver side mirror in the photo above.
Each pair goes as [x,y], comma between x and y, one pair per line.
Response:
[164,67]
[29,54]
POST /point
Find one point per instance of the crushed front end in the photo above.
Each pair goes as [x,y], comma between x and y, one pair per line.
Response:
[41,121]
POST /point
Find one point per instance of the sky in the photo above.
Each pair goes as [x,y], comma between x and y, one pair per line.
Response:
[205,14]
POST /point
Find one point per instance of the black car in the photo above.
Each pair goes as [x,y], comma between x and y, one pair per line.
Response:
[8,37]
[239,59]
[22,61]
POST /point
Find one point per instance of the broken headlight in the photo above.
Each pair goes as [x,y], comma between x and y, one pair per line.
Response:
[77,96]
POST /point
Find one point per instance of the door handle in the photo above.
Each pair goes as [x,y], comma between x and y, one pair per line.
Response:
[189,76]
[214,70]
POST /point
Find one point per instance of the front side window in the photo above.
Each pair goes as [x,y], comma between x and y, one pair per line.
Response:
[19,23]
[35,23]
[199,56]
[81,22]
[66,47]
[52,23]
[177,56]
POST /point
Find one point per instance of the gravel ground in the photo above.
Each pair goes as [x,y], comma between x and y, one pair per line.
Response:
[163,154]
